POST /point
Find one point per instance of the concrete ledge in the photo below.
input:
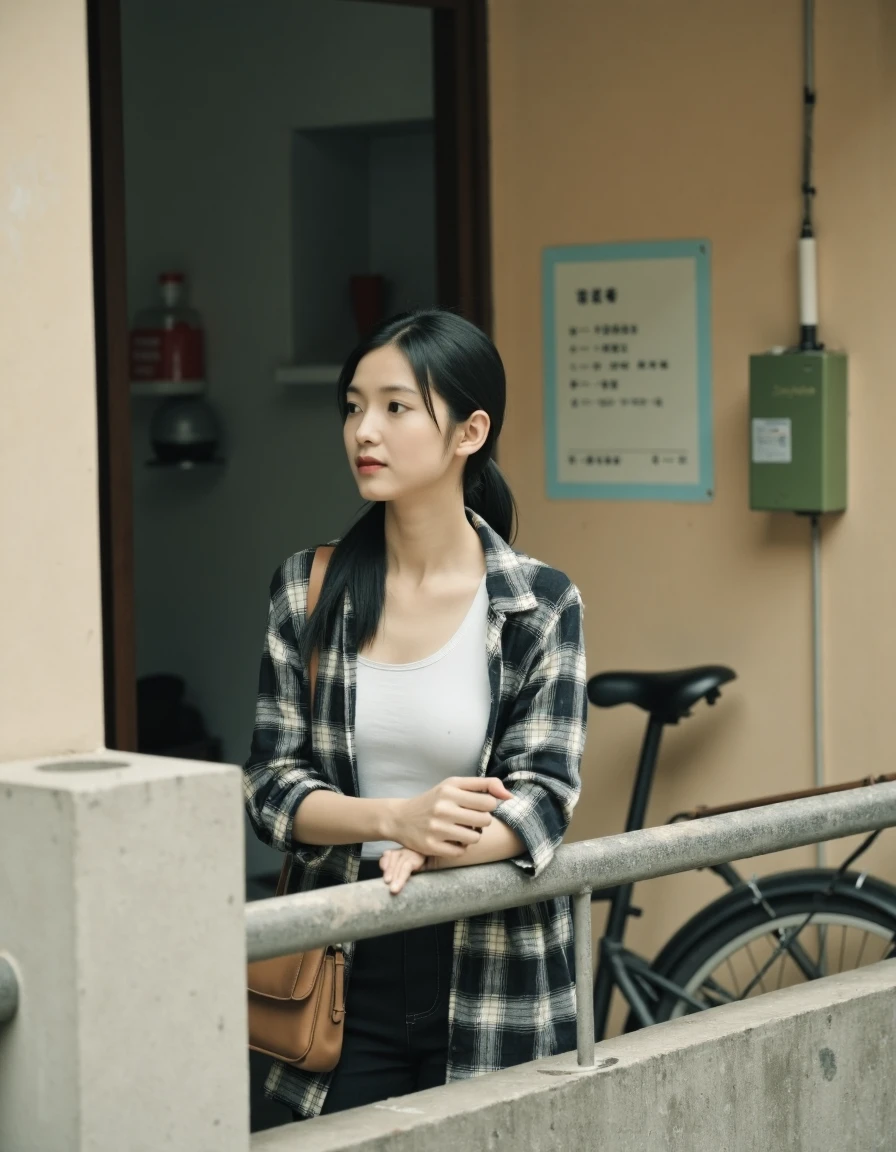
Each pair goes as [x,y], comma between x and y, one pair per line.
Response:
[121,905]
[809,1068]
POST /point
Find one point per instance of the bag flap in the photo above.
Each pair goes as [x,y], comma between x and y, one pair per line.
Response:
[286,977]
[308,972]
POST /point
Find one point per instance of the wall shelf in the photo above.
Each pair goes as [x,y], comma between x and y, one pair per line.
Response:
[308,374]
[362,201]
[186,465]
[156,388]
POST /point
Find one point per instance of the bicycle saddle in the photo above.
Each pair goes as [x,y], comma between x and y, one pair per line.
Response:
[667,696]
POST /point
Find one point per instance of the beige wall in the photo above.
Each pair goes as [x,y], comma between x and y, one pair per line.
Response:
[50,642]
[650,120]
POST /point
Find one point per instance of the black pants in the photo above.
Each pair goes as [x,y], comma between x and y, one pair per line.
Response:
[396,1015]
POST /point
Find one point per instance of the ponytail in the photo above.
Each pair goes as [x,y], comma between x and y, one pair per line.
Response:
[489,495]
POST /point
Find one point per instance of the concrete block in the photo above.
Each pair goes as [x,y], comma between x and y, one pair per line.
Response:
[121,905]
[807,1069]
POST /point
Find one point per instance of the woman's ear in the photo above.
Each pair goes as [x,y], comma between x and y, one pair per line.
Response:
[473,433]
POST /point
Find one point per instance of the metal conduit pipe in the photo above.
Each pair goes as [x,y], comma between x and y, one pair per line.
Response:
[9,990]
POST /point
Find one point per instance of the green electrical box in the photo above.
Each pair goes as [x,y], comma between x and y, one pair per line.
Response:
[798,431]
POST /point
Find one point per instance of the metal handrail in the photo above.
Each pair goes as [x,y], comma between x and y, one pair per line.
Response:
[280,925]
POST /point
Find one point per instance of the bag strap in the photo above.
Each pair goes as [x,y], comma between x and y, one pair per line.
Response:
[319,565]
[315,582]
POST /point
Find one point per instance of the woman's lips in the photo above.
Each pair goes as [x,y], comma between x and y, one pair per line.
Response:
[367,466]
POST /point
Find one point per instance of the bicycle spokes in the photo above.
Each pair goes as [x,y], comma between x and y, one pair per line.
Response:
[787,951]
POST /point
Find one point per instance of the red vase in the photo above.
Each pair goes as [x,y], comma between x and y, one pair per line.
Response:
[368,294]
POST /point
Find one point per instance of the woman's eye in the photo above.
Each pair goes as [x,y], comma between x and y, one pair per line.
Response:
[394,406]
[351,409]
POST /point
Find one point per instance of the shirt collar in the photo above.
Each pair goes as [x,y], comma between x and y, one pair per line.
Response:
[507,571]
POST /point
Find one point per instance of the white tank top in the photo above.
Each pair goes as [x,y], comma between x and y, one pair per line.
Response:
[416,724]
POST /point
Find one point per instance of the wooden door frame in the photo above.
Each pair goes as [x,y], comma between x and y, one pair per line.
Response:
[460,80]
[116,507]
[460,73]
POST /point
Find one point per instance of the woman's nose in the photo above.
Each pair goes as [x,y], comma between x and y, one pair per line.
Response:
[366,431]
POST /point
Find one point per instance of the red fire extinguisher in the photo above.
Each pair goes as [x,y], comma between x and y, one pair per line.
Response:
[166,343]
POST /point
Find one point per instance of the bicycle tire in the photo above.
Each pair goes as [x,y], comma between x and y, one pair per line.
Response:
[710,936]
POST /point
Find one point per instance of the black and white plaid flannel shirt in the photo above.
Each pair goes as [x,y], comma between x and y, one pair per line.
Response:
[513,993]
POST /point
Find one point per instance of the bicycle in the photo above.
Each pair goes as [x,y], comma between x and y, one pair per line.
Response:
[790,919]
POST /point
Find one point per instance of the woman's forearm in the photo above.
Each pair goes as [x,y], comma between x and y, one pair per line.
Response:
[497,842]
[447,815]
[326,817]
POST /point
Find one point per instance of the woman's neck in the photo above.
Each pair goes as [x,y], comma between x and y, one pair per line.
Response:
[431,539]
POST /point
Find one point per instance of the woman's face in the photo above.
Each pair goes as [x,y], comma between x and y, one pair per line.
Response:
[393,445]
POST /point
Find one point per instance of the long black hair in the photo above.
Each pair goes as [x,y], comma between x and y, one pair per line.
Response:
[452,357]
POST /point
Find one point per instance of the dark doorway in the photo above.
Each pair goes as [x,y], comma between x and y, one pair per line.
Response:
[459,71]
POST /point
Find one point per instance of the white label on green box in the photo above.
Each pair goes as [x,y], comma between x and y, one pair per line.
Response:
[772,441]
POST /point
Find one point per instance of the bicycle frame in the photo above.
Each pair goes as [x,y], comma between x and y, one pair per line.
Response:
[615,963]
[611,969]
[620,968]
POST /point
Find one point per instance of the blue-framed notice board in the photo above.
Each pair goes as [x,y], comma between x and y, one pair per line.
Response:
[628,371]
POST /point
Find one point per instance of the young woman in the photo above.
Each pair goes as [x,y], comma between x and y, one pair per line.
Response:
[448,726]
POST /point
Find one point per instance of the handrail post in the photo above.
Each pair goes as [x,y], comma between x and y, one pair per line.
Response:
[9,990]
[581,917]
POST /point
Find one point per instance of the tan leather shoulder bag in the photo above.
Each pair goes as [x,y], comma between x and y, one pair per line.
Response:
[297,1002]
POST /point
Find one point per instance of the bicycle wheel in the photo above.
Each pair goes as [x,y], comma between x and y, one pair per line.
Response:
[789,928]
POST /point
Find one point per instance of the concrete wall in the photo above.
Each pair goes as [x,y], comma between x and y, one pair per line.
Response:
[807,1069]
[650,120]
[213,93]
[50,655]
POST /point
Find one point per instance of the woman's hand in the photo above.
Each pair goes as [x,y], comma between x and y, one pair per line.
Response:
[447,819]
[398,865]
[498,842]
